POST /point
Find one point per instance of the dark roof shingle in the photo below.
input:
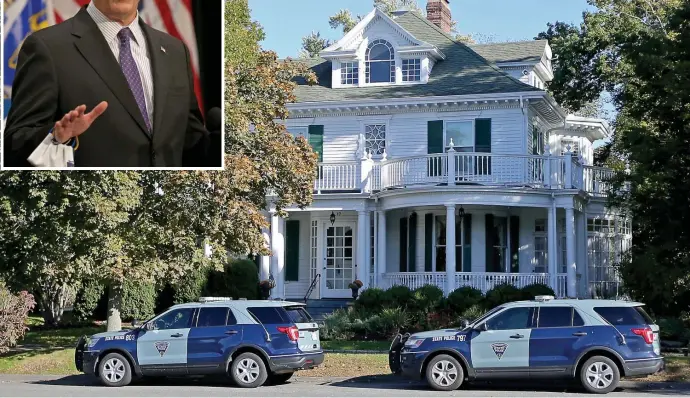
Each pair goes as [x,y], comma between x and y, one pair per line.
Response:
[520,51]
[463,72]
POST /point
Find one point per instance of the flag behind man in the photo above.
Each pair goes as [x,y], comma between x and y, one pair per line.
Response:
[21,18]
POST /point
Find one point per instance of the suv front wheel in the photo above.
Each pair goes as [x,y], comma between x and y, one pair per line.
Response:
[248,370]
[444,373]
[114,370]
[599,375]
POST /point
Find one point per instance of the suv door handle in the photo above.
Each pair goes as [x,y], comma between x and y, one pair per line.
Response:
[231,332]
[580,334]
[176,335]
[516,336]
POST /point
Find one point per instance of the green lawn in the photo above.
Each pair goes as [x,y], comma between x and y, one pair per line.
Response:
[356,345]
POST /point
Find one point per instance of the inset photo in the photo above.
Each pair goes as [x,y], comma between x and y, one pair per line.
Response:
[112,84]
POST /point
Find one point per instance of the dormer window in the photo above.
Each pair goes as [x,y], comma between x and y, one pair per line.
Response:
[380,62]
[411,70]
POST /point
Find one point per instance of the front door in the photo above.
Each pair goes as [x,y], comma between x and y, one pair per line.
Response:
[503,349]
[164,349]
[338,263]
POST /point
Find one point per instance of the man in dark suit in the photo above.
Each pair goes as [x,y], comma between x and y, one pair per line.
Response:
[136,82]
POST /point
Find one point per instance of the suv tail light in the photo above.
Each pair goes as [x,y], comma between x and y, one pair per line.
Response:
[291,331]
[646,333]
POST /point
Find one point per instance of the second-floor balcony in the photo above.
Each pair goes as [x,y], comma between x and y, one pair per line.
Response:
[463,168]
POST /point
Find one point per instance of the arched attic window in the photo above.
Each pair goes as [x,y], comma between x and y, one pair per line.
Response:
[380,62]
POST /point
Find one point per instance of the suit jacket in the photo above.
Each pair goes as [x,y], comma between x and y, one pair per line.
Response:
[69,64]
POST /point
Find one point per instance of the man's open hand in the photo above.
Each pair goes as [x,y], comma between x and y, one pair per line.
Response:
[75,122]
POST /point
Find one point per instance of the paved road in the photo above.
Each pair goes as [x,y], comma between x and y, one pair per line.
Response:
[381,386]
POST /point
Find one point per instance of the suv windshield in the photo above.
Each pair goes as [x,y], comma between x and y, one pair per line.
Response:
[486,315]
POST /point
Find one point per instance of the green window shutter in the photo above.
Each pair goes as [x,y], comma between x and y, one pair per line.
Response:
[490,258]
[434,144]
[316,140]
[403,244]
[412,243]
[514,244]
[467,254]
[428,241]
[535,140]
[434,136]
[482,143]
[292,250]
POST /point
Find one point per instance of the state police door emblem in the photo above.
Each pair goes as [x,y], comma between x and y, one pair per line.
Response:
[499,349]
[162,347]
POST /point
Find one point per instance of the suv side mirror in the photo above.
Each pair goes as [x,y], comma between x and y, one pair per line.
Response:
[135,323]
[482,327]
[465,323]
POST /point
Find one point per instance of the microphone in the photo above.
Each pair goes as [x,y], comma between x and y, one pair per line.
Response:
[214,120]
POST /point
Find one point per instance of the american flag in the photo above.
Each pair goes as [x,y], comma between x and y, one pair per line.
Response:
[171,16]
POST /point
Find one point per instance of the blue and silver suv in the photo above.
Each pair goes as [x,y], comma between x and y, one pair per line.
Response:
[252,341]
[595,341]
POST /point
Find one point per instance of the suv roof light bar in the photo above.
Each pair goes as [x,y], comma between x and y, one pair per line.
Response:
[211,299]
[544,298]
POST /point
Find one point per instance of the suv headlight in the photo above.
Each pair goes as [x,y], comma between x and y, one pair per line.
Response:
[413,343]
[93,341]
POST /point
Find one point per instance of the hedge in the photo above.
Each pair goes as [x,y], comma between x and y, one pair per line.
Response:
[381,314]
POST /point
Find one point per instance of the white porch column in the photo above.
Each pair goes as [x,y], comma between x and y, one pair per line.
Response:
[552,254]
[571,265]
[278,253]
[450,248]
[381,250]
[581,253]
[265,260]
[362,269]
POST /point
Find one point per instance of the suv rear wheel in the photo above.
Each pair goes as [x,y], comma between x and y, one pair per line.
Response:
[599,375]
[114,370]
[444,373]
[248,370]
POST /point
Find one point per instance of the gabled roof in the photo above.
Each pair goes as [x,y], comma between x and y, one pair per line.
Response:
[463,72]
[530,51]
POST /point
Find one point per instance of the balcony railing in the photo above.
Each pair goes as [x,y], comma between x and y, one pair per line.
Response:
[457,168]
[483,281]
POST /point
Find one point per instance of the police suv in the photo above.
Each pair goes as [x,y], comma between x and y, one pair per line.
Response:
[595,341]
[252,341]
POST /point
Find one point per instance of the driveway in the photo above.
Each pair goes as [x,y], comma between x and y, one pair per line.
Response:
[379,386]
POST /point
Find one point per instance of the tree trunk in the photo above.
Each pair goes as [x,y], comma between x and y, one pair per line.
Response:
[54,298]
[114,305]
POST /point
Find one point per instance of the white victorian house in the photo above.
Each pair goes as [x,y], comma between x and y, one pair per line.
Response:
[443,164]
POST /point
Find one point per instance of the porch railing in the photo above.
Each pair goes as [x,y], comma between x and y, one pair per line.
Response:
[483,281]
[537,171]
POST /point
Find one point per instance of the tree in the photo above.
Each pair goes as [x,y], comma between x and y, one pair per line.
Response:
[312,45]
[638,51]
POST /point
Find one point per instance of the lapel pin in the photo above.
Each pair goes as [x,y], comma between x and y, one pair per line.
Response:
[162,48]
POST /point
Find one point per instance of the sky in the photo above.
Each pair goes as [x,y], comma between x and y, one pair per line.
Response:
[285,22]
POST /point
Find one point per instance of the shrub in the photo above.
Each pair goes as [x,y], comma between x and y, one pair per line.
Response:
[192,286]
[91,294]
[501,294]
[473,313]
[459,300]
[536,289]
[372,300]
[399,296]
[387,324]
[14,311]
[138,301]
[337,326]
[674,329]
[427,298]
[240,280]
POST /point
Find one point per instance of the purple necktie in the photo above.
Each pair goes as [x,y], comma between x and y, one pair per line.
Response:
[129,68]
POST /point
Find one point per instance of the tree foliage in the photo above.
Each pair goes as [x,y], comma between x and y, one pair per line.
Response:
[313,44]
[639,52]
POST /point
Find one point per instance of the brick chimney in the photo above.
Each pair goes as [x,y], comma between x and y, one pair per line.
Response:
[438,13]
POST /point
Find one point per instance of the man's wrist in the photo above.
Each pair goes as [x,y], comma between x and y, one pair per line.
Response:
[69,141]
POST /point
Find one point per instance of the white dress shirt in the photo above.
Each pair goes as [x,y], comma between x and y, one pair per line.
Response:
[140,52]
